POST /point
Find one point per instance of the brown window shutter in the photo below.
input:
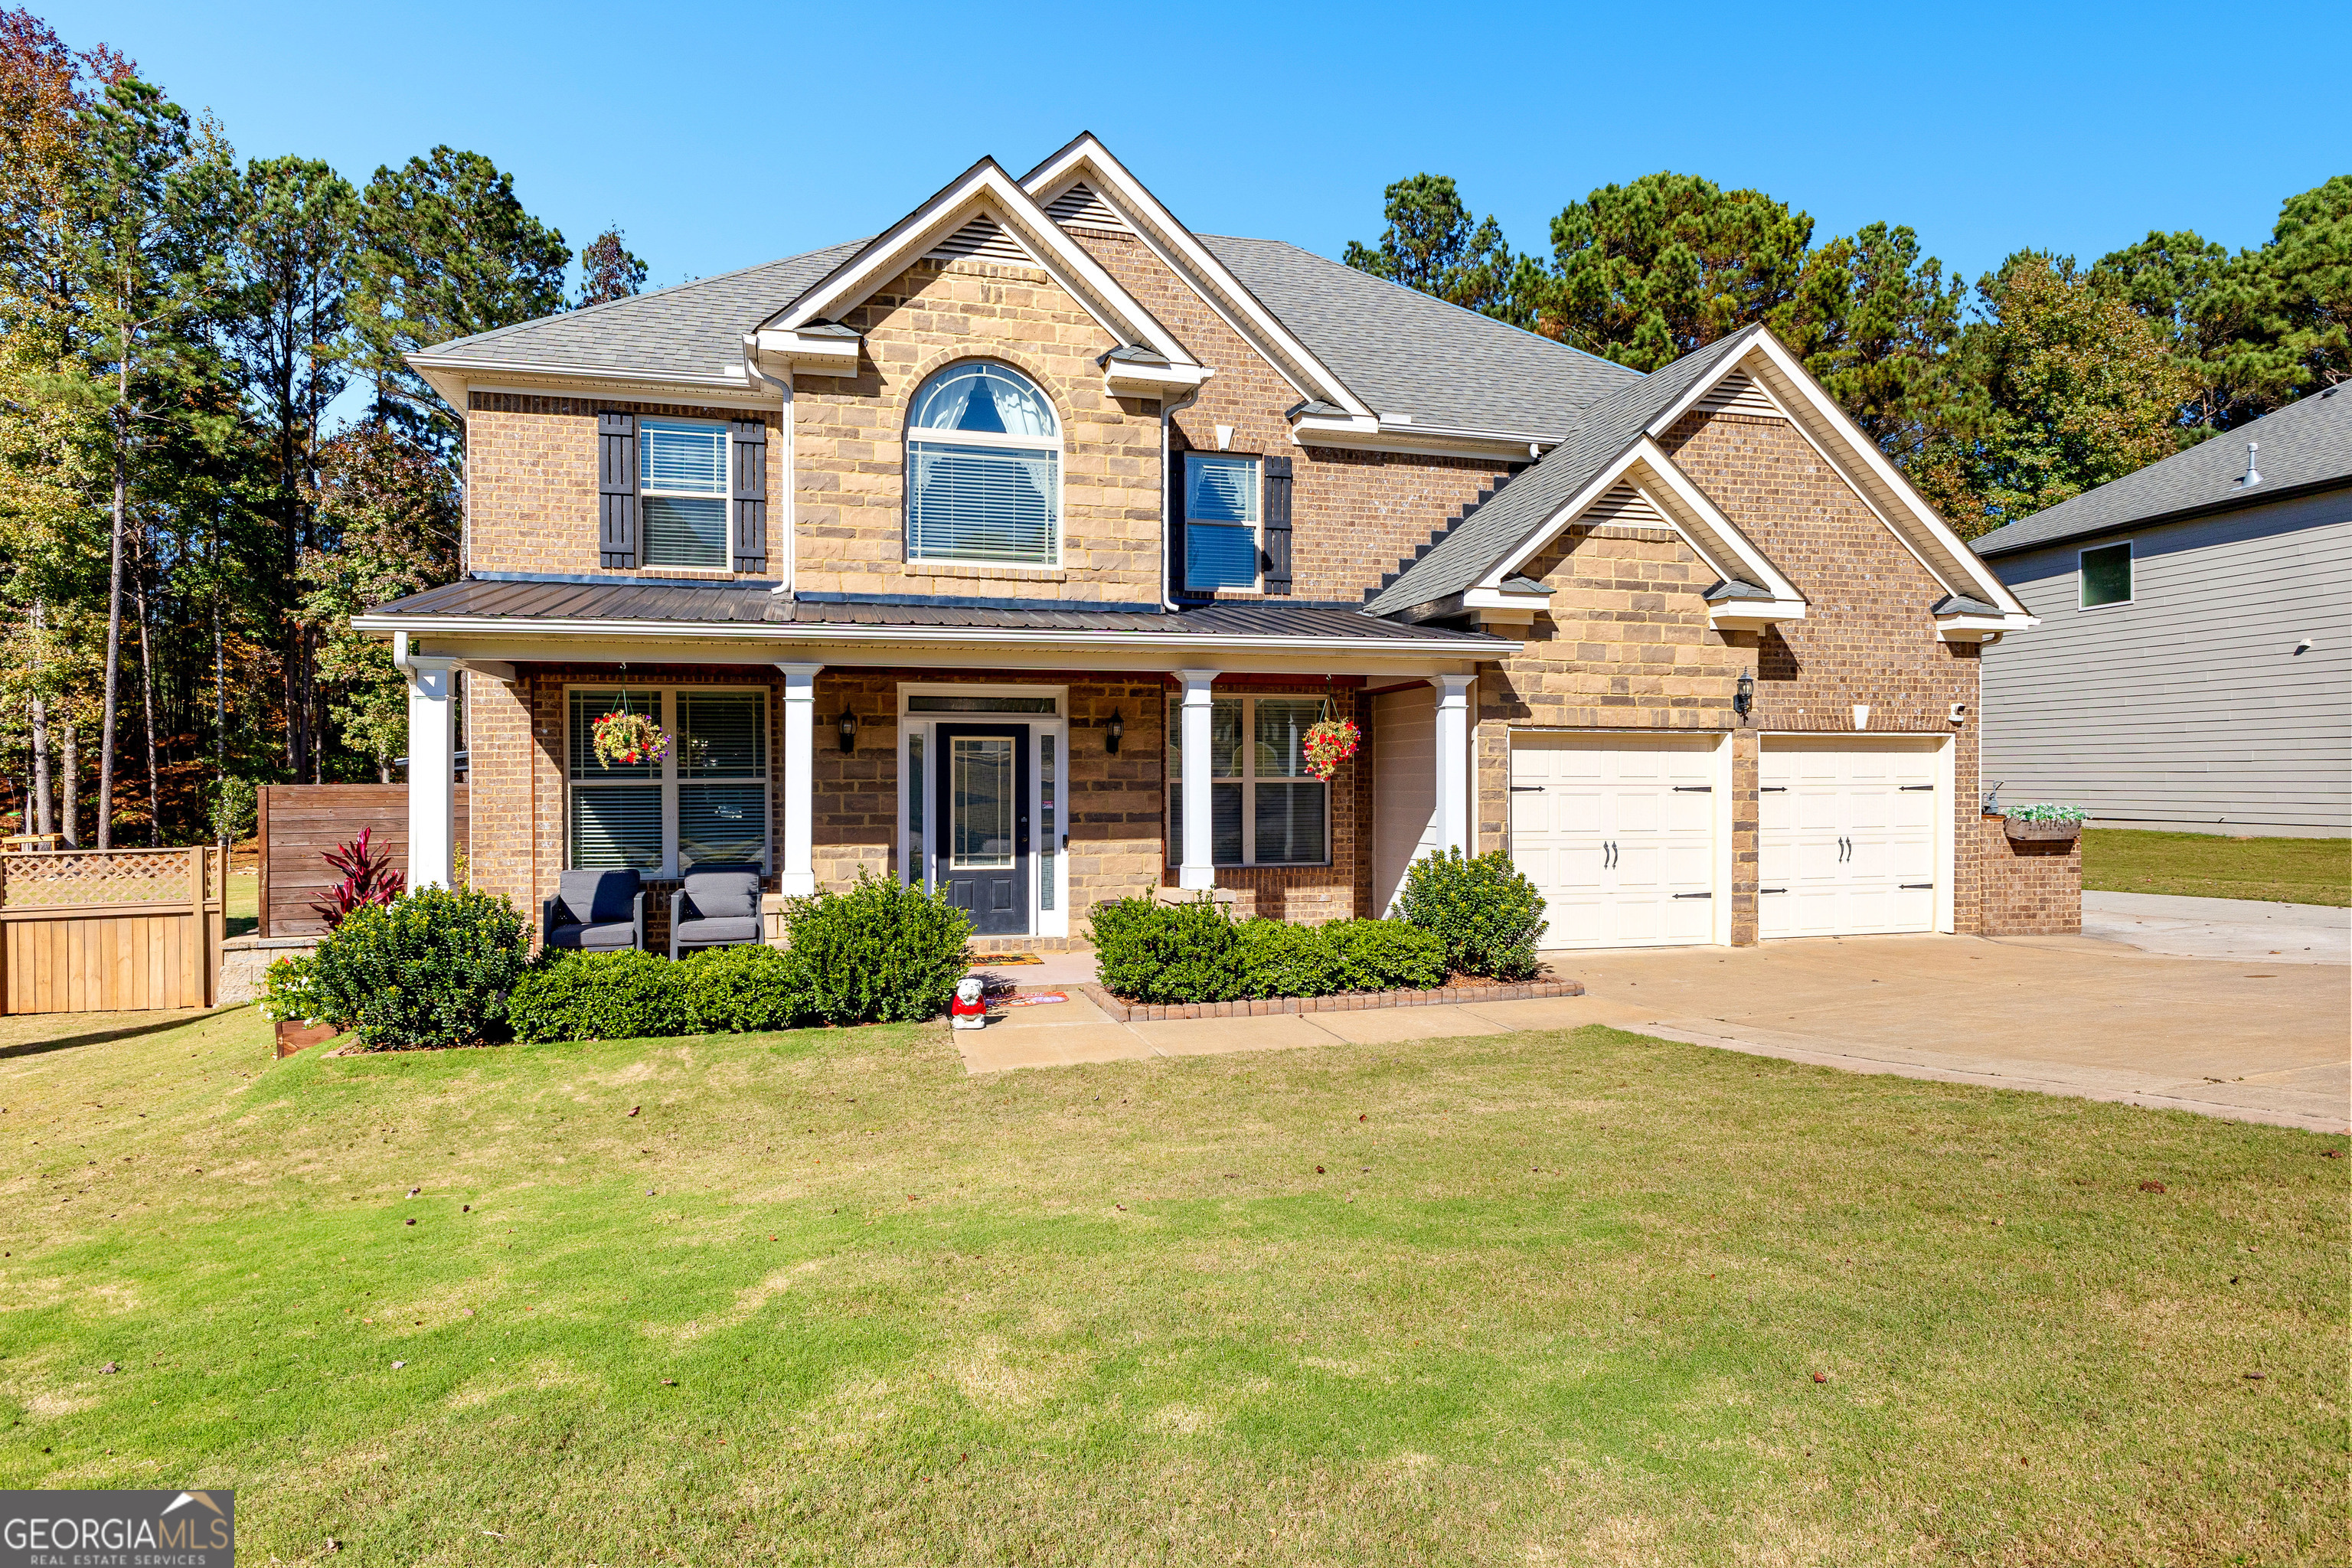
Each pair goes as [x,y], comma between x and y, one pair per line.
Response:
[750,439]
[1277,525]
[617,490]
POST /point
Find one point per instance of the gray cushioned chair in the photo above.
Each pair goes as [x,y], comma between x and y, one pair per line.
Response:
[595,911]
[718,906]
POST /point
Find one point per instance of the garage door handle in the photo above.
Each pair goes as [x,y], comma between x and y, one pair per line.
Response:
[1919,884]
[1918,786]
[1694,789]
[1693,895]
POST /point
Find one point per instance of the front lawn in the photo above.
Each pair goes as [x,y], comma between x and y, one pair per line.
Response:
[820,1297]
[2209,866]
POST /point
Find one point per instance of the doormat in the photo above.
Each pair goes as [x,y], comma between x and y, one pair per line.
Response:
[993,958]
[1039,1000]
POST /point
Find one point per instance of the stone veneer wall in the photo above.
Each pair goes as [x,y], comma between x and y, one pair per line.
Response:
[531,482]
[849,442]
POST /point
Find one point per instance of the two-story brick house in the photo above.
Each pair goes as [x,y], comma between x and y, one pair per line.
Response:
[992,550]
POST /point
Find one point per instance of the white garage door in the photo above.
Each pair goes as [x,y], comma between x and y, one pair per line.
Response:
[1619,835]
[1847,844]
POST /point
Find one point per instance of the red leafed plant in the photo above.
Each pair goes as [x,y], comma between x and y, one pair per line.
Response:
[368,878]
[1329,743]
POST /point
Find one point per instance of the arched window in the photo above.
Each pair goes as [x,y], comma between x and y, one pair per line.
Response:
[983,470]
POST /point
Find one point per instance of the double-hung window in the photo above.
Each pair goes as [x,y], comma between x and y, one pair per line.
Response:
[1265,808]
[1221,522]
[682,491]
[706,801]
[983,470]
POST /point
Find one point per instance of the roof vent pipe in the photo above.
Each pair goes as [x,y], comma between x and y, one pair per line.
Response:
[2253,476]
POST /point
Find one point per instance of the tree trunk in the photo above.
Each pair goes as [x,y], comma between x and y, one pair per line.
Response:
[44,821]
[147,708]
[114,637]
[220,705]
[72,792]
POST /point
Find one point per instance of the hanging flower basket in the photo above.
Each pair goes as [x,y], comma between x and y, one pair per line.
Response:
[630,739]
[1329,743]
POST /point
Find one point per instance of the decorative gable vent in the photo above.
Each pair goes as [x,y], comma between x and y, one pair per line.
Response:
[1622,507]
[1083,205]
[982,239]
[1738,393]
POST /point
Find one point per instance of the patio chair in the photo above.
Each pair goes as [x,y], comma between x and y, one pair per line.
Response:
[595,911]
[718,906]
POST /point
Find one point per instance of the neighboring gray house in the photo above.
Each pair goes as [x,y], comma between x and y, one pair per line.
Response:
[2193,667]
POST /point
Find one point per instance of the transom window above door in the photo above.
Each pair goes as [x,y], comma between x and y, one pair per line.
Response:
[682,490]
[983,470]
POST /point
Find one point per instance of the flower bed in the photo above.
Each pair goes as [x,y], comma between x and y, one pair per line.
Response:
[1342,1002]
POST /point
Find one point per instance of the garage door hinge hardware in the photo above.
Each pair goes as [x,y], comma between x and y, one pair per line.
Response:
[1771,889]
[1693,895]
[1917,787]
[1774,789]
[1918,885]
[1527,789]
[1694,789]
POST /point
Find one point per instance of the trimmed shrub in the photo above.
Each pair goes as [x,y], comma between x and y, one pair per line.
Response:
[1150,951]
[431,968]
[1385,955]
[1278,959]
[878,952]
[743,990]
[626,996]
[1483,909]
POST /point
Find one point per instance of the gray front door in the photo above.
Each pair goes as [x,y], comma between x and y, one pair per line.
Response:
[981,857]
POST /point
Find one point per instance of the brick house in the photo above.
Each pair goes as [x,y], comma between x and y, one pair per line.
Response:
[990,552]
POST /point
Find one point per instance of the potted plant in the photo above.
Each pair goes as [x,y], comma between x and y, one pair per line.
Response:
[2044,824]
[626,739]
[1329,743]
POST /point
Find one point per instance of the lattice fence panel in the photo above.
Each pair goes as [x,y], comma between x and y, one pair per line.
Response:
[95,877]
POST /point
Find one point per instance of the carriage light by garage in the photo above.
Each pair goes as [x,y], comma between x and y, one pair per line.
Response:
[848,728]
[1744,697]
[1113,732]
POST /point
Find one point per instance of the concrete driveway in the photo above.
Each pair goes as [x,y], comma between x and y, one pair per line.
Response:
[2258,1029]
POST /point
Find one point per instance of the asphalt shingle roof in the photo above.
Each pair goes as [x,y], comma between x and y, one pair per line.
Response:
[692,329]
[2307,443]
[1600,435]
[1408,353]
[533,600]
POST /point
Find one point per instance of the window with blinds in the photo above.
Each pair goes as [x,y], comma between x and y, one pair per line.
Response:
[983,470]
[1265,808]
[682,492]
[1221,519]
[706,801]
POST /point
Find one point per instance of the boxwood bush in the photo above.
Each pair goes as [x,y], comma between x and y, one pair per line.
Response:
[626,996]
[1482,908]
[1147,950]
[881,951]
[433,967]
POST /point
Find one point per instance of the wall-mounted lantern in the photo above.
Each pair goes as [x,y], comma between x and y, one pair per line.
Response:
[1114,732]
[847,725]
[1744,697]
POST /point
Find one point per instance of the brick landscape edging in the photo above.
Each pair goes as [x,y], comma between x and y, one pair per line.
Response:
[1346,1002]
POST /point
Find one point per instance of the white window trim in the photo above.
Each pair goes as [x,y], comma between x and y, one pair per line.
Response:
[930,437]
[668,779]
[913,726]
[1249,782]
[2083,582]
[1256,524]
[726,566]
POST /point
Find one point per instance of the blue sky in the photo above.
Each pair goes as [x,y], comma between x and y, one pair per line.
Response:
[721,136]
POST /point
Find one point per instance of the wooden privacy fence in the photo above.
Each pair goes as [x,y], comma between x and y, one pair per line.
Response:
[84,930]
[300,823]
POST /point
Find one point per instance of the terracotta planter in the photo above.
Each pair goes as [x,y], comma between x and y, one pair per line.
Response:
[293,1037]
[2039,832]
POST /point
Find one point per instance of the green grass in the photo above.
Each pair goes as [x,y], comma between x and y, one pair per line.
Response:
[2209,865]
[1522,1299]
[241,903]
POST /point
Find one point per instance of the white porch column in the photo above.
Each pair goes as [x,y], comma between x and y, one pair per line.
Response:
[1452,750]
[432,771]
[1200,866]
[795,863]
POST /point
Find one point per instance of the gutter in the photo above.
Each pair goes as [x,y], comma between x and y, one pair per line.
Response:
[2242,501]
[1169,409]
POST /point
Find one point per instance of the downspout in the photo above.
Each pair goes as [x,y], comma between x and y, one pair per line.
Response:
[1168,412]
[785,528]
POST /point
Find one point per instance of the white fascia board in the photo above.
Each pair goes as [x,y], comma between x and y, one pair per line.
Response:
[1965,628]
[1497,599]
[1753,614]
[1210,278]
[984,188]
[1125,379]
[1867,469]
[819,353]
[455,382]
[1368,433]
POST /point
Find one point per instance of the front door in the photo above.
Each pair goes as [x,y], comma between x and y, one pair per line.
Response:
[982,858]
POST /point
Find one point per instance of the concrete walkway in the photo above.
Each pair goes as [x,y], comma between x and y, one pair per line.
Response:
[2220,928]
[2268,1041]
